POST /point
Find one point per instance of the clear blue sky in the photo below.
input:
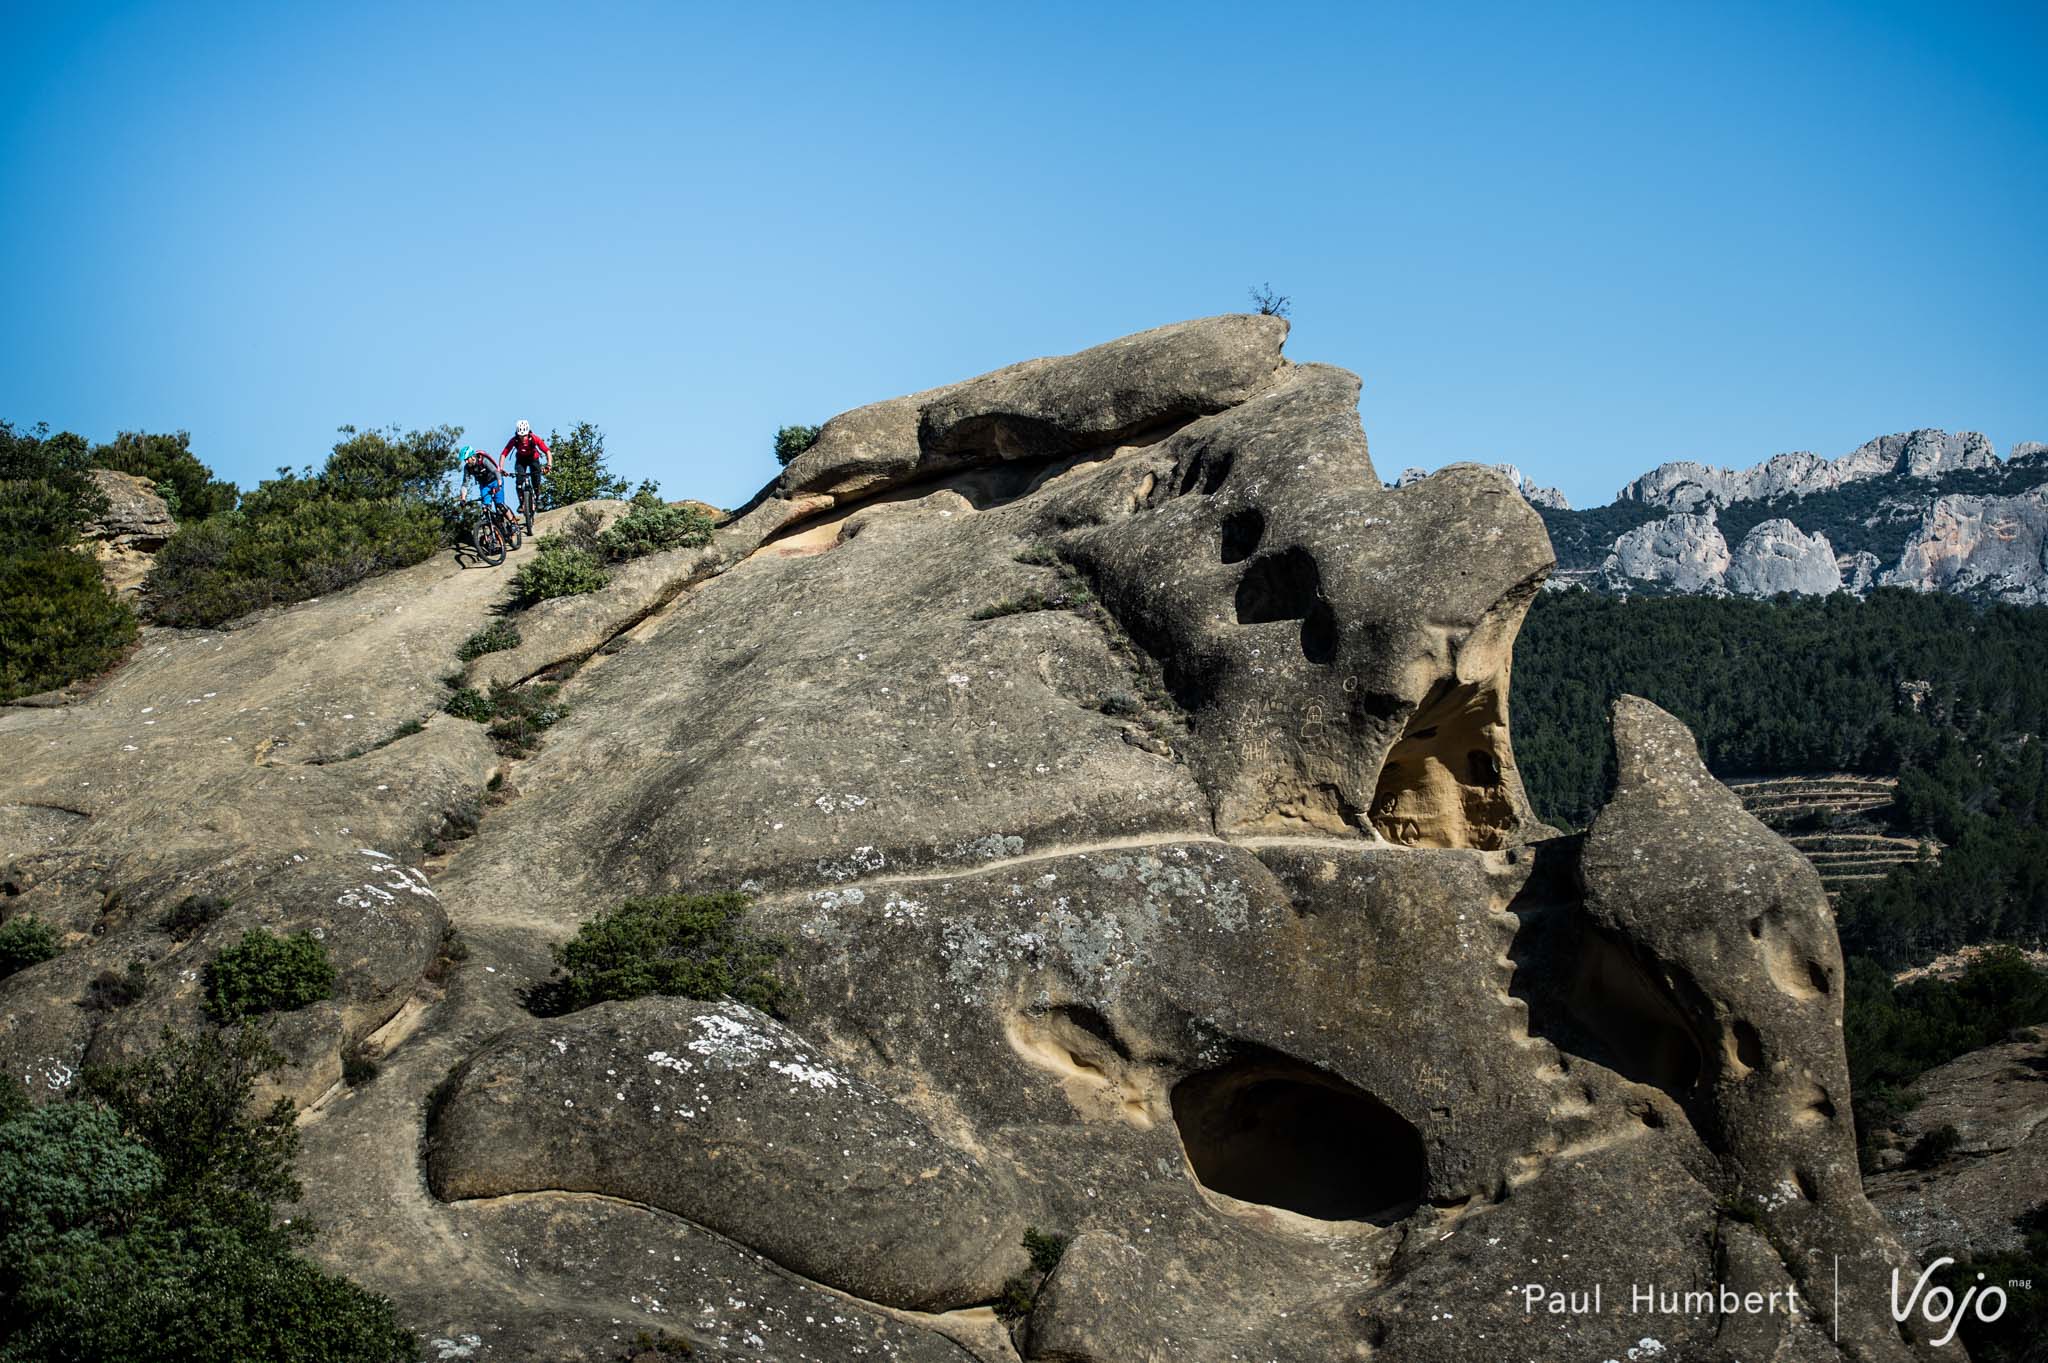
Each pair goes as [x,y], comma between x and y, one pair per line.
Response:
[1581,238]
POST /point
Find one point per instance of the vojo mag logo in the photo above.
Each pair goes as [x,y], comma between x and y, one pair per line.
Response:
[1938,1305]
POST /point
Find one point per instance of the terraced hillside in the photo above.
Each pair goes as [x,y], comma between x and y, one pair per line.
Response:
[1836,820]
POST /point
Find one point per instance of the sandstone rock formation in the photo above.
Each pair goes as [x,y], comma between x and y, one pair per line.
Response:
[126,536]
[1777,556]
[1969,1203]
[1684,551]
[1129,771]
[1990,546]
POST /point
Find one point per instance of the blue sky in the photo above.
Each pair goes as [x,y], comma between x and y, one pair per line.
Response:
[1581,238]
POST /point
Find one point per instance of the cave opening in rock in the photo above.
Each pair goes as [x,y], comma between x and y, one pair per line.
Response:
[1268,1130]
[1445,781]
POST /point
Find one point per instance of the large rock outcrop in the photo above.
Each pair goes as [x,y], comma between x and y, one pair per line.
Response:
[1684,552]
[127,534]
[1995,547]
[1129,773]
[1777,556]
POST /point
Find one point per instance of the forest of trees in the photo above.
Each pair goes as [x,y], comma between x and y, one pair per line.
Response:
[1948,696]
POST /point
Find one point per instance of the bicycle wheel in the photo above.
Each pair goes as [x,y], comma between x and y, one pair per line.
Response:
[490,545]
[512,532]
[528,486]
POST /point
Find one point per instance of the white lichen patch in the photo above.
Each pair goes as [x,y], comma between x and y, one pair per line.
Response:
[860,861]
[815,1076]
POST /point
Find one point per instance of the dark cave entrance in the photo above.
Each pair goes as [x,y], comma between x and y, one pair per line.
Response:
[1270,1130]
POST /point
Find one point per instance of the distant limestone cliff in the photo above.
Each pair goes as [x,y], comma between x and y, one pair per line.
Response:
[1926,510]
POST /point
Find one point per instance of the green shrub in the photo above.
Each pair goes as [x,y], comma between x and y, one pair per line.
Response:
[1044,1248]
[193,912]
[495,637]
[470,703]
[36,514]
[264,973]
[141,1224]
[693,946]
[380,503]
[25,940]
[111,989]
[449,958]
[577,471]
[296,543]
[14,1099]
[1020,1294]
[187,486]
[653,525]
[1934,1146]
[521,714]
[58,621]
[67,497]
[792,441]
[559,567]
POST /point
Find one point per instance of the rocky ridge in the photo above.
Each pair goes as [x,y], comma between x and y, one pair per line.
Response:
[1205,922]
[1946,512]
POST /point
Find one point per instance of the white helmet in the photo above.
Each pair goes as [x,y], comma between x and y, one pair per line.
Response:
[522,429]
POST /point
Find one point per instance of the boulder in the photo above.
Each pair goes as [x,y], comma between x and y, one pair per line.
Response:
[1777,556]
[1133,388]
[728,1119]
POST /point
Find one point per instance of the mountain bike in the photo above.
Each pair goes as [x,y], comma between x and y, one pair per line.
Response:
[484,535]
[528,478]
[492,531]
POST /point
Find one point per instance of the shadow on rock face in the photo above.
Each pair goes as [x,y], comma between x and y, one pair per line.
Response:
[1270,1130]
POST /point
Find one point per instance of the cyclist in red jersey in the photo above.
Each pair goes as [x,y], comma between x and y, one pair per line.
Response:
[532,460]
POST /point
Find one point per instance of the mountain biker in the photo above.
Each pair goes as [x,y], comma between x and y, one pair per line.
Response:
[489,476]
[532,460]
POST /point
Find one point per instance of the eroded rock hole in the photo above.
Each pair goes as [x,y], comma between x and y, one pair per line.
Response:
[1444,783]
[1269,1130]
[1282,586]
[1242,531]
[1749,1047]
[1206,470]
[1319,635]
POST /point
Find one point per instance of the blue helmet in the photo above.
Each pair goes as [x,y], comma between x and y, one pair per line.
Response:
[465,454]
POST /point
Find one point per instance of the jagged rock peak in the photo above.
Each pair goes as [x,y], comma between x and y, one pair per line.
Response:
[1686,485]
